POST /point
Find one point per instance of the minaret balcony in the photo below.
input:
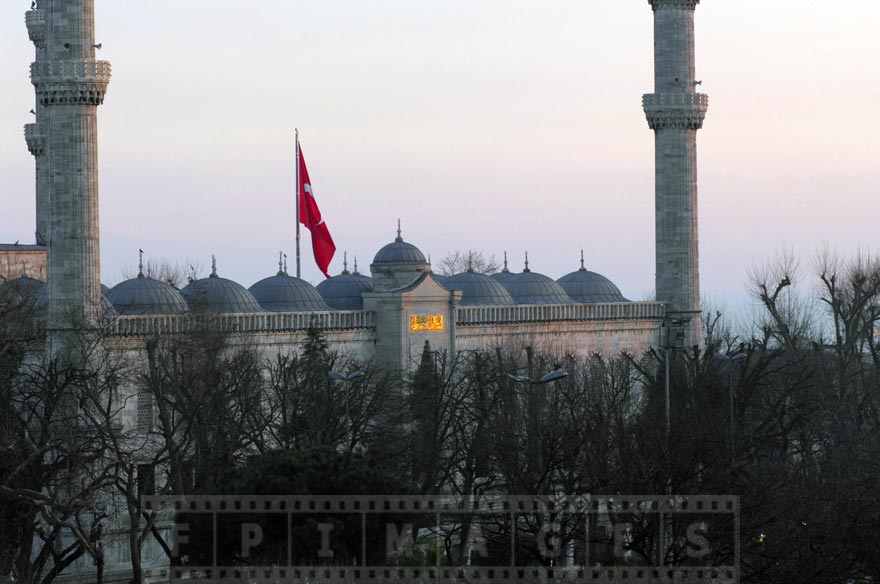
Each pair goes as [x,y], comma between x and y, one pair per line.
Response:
[36,26]
[675,110]
[35,136]
[83,81]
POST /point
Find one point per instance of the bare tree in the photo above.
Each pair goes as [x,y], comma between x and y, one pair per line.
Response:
[457,261]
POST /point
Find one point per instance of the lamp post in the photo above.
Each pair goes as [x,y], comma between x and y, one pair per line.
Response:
[732,360]
[347,378]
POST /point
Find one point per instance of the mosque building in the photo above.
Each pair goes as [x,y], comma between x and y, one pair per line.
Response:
[385,317]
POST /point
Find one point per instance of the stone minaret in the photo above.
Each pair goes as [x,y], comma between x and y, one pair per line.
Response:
[675,112]
[35,134]
[70,85]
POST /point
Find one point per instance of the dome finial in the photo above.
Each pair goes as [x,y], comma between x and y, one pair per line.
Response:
[356,273]
[213,266]
[345,262]
[505,270]
[140,263]
[470,262]
[285,263]
[399,237]
[280,263]
[526,269]
[583,269]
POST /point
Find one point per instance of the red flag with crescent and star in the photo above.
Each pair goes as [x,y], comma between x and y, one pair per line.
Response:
[310,216]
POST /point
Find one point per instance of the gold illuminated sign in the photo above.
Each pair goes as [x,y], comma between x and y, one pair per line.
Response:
[431,322]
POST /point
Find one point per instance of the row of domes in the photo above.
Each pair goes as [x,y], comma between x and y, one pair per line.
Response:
[285,293]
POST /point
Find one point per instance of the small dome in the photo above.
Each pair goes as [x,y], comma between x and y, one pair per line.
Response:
[505,276]
[343,292]
[24,287]
[41,301]
[533,288]
[589,287]
[144,295]
[216,295]
[478,289]
[399,253]
[284,293]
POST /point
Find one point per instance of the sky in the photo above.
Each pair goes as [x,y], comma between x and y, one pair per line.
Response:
[493,125]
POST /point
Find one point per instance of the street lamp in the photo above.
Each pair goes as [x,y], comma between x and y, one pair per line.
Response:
[732,359]
[342,377]
[554,375]
[350,377]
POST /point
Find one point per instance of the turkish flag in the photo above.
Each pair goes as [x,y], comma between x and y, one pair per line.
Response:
[310,216]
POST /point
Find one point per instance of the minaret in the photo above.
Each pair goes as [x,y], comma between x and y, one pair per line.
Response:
[35,133]
[675,112]
[70,85]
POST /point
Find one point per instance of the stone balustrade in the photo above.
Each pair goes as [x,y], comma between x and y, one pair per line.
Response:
[35,136]
[269,322]
[481,315]
[36,26]
[683,110]
[82,81]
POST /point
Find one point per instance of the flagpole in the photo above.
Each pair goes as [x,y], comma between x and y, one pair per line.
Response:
[298,195]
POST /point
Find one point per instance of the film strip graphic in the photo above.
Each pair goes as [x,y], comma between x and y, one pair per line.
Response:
[503,539]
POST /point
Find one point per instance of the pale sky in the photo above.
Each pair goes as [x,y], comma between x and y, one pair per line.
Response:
[484,124]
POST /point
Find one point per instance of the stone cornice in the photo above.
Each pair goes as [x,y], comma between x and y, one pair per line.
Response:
[35,136]
[36,26]
[675,110]
[71,82]
[674,4]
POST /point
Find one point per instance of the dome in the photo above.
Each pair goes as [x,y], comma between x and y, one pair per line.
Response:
[41,301]
[589,287]
[216,295]
[343,292]
[533,288]
[24,287]
[505,276]
[142,295]
[400,253]
[479,289]
[284,293]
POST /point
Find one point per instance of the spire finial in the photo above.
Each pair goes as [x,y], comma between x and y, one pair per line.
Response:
[281,263]
[583,269]
[213,266]
[399,237]
[140,263]
[505,270]
[356,273]
[345,262]
[526,269]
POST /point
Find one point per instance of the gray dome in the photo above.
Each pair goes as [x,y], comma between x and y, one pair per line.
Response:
[24,287]
[479,289]
[532,288]
[504,277]
[144,295]
[41,301]
[216,295]
[343,292]
[589,287]
[284,293]
[400,253]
